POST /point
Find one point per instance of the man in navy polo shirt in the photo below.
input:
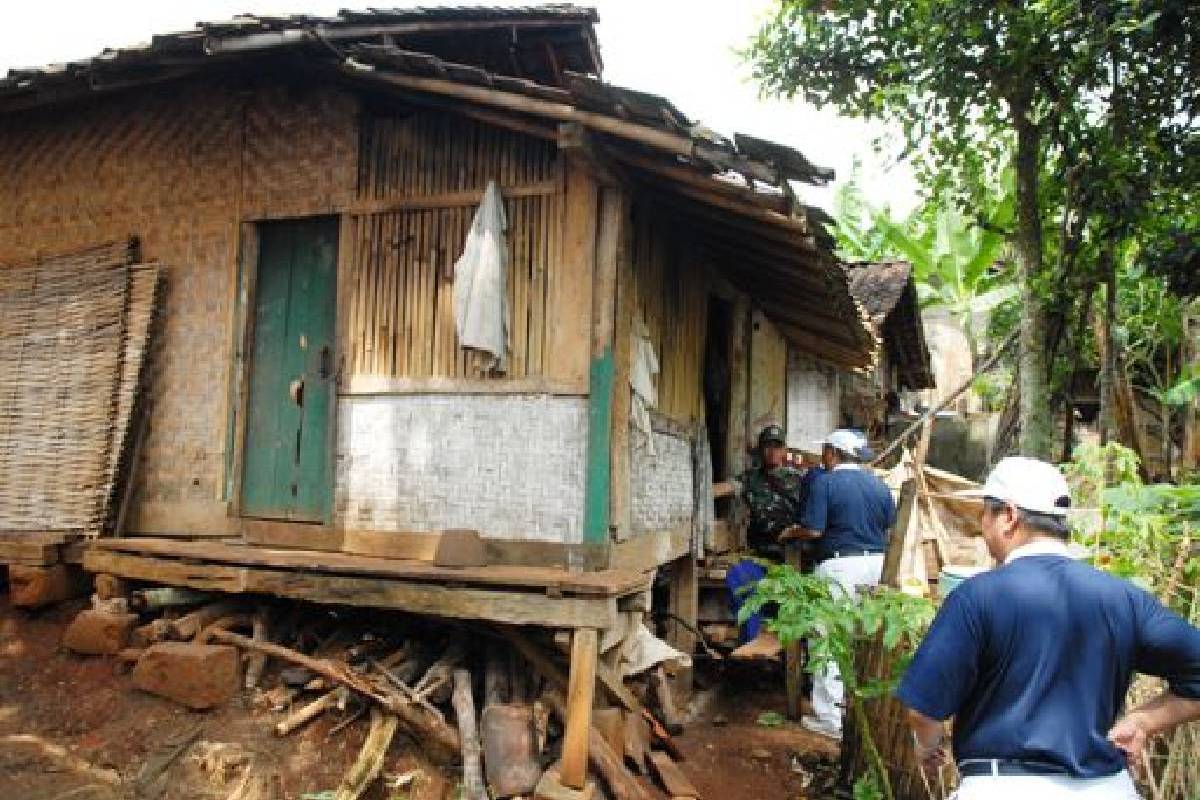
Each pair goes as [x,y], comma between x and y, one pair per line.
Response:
[1033,659]
[846,516]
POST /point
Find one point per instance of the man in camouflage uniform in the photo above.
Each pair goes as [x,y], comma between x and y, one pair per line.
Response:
[773,491]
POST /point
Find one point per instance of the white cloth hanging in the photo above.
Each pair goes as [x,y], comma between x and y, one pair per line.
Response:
[481,282]
[643,376]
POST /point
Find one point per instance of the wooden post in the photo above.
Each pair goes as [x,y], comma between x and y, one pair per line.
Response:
[468,732]
[601,370]
[581,686]
[619,488]
[793,654]
[685,605]
[895,551]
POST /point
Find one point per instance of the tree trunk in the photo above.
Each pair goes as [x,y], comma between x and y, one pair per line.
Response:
[1037,421]
[1108,357]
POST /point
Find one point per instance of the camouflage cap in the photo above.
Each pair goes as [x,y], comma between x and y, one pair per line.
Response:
[772,433]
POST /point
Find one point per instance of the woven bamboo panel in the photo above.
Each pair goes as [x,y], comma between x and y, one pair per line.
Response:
[145,289]
[672,299]
[73,334]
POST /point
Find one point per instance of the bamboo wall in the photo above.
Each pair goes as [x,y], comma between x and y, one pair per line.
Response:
[672,284]
[426,172]
[179,167]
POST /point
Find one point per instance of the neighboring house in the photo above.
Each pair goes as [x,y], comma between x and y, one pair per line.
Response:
[308,185]
[821,397]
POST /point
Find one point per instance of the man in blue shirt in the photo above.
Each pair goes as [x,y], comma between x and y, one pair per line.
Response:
[1033,659]
[846,517]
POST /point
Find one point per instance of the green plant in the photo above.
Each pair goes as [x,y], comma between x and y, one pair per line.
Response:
[1142,526]
[835,624]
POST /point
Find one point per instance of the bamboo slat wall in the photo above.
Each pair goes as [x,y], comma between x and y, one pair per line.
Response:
[425,174]
[672,287]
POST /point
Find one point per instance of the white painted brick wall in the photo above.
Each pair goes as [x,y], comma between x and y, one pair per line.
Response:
[509,466]
[662,487]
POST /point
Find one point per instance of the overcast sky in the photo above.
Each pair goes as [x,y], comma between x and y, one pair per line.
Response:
[681,49]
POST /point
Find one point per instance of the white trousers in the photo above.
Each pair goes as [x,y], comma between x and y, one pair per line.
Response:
[1046,787]
[848,574]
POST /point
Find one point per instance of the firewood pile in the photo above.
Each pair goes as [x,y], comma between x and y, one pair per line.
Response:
[490,701]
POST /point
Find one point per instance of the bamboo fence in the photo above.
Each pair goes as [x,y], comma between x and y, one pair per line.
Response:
[73,336]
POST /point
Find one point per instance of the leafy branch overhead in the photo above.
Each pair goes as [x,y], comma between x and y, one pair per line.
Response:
[1093,105]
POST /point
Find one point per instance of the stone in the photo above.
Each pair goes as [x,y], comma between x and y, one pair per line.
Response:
[550,787]
[96,633]
[199,676]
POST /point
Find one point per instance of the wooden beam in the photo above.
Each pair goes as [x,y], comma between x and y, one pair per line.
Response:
[564,112]
[704,181]
[470,197]
[511,607]
[569,300]
[581,686]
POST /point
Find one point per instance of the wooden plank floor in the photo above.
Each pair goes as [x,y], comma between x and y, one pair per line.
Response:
[514,595]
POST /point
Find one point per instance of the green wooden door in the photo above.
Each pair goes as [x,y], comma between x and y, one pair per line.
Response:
[285,467]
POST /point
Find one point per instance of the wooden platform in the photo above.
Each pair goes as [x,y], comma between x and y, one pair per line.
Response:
[517,595]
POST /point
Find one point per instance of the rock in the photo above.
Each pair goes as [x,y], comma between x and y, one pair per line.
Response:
[96,633]
[760,754]
[200,676]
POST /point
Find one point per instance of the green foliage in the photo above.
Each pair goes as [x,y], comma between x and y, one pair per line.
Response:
[866,787]
[1141,526]
[835,624]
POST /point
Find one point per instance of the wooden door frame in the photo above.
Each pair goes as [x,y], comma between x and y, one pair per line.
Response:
[241,366]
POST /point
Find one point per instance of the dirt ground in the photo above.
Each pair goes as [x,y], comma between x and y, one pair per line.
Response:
[74,728]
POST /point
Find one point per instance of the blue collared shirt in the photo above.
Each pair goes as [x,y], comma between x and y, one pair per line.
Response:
[853,510]
[1033,660]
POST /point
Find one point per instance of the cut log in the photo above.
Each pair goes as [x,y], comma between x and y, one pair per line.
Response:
[671,777]
[468,735]
[187,626]
[439,740]
[369,764]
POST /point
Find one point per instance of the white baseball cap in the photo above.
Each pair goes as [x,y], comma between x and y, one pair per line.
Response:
[1026,483]
[850,442]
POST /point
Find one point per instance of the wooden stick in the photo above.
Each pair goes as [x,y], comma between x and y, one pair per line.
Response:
[258,660]
[581,687]
[931,413]
[187,626]
[609,764]
[369,764]
[464,707]
[438,738]
[307,712]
